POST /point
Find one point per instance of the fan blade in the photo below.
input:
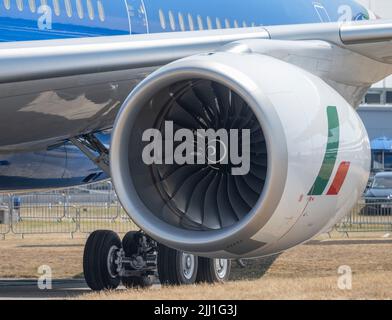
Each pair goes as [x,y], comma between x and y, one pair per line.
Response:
[182,118]
[208,100]
[258,149]
[193,106]
[253,182]
[211,216]
[195,210]
[165,170]
[222,94]
[257,137]
[173,182]
[199,119]
[226,211]
[240,207]
[259,159]
[246,192]
[258,171]
[245,119]
[182,196]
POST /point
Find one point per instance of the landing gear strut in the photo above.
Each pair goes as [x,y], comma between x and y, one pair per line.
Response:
[134,261]
[136,244]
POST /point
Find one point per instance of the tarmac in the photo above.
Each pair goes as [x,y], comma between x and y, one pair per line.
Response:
[28,289]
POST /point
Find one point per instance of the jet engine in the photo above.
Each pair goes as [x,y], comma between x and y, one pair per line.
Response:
[288,156]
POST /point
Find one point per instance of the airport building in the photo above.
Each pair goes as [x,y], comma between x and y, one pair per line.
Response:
[376,109]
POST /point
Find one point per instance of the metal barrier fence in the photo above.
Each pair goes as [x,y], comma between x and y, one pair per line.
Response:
[369,215]
[70,211]
[85,209]
[4,220]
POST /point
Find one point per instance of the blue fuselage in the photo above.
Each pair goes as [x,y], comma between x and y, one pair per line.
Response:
[69,107]
[25,20]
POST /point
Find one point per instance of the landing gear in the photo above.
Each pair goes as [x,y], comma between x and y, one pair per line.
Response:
[135,244]
[176,267]
[108,261]
[213,270]
[100,260]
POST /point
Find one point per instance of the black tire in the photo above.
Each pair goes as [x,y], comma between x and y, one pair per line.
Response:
[210,273]
[95,260]
[137,282]
[170,267]
[130,243]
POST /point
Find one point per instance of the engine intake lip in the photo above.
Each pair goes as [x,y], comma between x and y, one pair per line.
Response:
[200,67]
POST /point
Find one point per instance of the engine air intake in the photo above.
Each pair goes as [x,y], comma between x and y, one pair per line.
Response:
[208,195]
[199,155]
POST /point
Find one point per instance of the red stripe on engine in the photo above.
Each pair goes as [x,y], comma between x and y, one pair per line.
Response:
[339,179]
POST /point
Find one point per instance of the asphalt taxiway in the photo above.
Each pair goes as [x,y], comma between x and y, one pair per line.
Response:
[26,289]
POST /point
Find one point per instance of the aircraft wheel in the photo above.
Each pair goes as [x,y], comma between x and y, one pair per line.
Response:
[213,270]
[176,267]
[99,260]
[130,244]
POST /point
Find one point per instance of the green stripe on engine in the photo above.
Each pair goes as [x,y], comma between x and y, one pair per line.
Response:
[330,155]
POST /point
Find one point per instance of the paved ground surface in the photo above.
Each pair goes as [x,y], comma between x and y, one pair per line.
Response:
[11,289]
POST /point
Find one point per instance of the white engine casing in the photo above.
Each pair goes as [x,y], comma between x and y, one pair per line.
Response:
[292,107]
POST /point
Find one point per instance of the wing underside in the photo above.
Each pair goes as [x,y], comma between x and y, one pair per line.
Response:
[56,58]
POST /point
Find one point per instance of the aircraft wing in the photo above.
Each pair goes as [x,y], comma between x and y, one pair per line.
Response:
[22,61]
[369,38]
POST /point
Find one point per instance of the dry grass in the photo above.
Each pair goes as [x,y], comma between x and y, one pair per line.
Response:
[20,258]
[365,286]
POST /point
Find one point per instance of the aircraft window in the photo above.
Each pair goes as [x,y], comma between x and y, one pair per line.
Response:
[244,24]
[172,21]
[90,10]
[181,21]
[191,23]
[236,25]
[7,4]
[373,98]
[56,7]
[79,9]
[209,23]
[200,22]
[162,19]
[101,11]
[227,24]
[68,8]
[218,23]
[19,5]
[321,12]
[388,97]
[32,6]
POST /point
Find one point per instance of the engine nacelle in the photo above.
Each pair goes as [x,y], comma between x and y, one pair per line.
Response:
[308,164]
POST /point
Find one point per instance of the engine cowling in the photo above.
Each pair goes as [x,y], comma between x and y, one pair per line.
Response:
[309,156]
